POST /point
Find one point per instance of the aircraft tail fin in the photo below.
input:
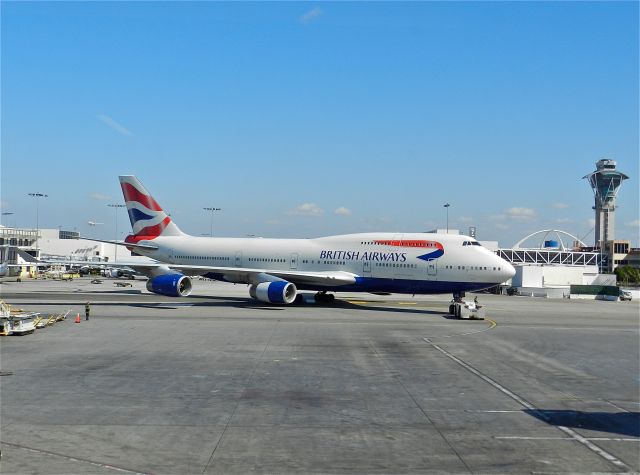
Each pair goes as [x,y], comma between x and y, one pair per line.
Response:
[147,217]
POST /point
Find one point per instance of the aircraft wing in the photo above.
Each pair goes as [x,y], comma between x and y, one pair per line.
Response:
[256,275]
[144,245]
[232,274]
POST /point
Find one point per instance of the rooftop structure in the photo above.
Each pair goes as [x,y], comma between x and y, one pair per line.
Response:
[549,248]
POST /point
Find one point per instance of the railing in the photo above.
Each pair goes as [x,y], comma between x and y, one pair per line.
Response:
[549,257]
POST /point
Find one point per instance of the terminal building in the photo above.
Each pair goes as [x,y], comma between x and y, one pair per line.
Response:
[549,261]
[24,247]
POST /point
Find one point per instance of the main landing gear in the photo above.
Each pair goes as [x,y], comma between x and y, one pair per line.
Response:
[323,297]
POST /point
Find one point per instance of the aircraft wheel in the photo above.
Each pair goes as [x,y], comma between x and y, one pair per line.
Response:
[323,297]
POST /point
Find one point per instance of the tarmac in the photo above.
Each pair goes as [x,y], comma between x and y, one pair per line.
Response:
[219,383]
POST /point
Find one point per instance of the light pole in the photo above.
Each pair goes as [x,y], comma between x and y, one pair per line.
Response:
[447,207]
[115,208]
[37,196]
[211,209]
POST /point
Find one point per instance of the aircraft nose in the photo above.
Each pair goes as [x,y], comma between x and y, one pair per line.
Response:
[509,270]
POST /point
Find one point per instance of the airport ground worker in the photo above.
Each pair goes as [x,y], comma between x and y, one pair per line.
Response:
[87,310]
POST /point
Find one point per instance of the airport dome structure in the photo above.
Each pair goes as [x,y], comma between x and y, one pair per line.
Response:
[550,239]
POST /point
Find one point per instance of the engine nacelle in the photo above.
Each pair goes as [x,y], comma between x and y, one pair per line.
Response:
[171,285]
[279,291]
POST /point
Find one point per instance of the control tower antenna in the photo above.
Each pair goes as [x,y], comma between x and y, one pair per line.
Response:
[605,182]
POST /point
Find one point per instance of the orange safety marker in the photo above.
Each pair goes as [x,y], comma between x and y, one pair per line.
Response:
[77,318]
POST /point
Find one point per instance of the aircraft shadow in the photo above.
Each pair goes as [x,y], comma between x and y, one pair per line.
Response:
[376,308]
[111,292]
[241,302]
[623,423]
[247,303]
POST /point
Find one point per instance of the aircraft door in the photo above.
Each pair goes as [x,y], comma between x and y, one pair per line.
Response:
[239,259]
[293,261]
[366,270]
[432,267]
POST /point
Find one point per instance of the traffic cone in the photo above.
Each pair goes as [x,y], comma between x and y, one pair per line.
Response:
[77,318]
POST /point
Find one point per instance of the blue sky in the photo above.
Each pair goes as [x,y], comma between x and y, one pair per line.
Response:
[311,119]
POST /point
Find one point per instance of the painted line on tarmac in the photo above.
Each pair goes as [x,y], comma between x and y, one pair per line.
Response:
[73,459]
[383,302]
[492,325]
[598,329]
[540,414]
[605,439]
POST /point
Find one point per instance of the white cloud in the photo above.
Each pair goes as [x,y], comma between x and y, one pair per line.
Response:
[564,220]
[464,219]
[109,122]
[307,209]
[99,196]
[4,205]
[501,226]
[634,224]
[310,15]
[342,211]
[520,213]
[559,205]
[591,222]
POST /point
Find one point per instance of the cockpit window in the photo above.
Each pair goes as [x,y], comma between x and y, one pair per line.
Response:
[471,243]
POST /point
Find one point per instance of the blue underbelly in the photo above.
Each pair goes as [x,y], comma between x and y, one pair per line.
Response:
[396,286]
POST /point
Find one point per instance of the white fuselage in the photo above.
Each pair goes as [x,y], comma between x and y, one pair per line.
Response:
[383,262]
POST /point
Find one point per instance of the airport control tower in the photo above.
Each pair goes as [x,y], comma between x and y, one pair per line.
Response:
[605,182]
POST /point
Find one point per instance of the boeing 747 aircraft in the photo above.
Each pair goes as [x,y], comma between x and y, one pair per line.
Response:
[276,269]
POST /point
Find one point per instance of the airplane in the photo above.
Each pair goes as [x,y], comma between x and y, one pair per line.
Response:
[4,269]
[277,269]
[93,223]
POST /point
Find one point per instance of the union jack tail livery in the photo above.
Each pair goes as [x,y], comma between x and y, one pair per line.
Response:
[148,219]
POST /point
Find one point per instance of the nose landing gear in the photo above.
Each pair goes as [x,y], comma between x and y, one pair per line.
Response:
[459,308]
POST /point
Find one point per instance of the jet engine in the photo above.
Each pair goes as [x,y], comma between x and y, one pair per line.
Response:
[279,291]
[171,285]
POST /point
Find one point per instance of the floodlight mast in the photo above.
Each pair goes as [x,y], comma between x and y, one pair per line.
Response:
[211,209]
[605,183]
[37,196]
[115,207]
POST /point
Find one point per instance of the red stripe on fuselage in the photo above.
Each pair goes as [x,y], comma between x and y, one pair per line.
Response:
[411,243]
[131,193]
